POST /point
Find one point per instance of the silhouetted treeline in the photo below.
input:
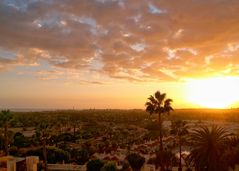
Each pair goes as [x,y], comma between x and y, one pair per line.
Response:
[134,116]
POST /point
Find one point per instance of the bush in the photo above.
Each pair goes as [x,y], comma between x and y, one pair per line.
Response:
[54,155]
[20,140]
[136,161]
[110,166]
[125,166]
[66,137]
[82,156]
[94,165]
[36,152]
[13,151]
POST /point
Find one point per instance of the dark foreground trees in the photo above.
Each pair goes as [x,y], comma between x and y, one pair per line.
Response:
[179,128]
[5,117]
[94,165]
[158,104]
[231,155]
[167,158]
[208,146]
[136,161]
[109,166]
[42,132]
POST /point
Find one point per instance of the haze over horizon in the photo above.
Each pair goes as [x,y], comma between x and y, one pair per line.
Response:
[115,53]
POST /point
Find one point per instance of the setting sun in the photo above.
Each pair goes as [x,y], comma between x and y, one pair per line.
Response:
[119,85]
[218,92]
[114,53]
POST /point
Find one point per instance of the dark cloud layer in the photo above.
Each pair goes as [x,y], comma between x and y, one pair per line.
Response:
[128,39]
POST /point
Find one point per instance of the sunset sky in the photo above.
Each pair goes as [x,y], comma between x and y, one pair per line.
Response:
[115,53]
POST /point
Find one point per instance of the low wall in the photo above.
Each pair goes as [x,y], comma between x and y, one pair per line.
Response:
[66,167]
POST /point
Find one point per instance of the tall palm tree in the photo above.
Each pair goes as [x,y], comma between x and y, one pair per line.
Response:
[158,104]
[5,117]
[208,146]
[74,122]
[179,128]
[43,130]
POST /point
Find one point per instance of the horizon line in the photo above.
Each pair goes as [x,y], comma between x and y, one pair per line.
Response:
[41,109]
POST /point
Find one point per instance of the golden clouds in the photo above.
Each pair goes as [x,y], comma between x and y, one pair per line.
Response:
[127,39]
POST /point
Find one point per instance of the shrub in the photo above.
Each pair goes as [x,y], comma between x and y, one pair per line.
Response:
[109,166]
[82,156]
[20,140]
[13,151]
[136,161]
[94,165]
[54,154]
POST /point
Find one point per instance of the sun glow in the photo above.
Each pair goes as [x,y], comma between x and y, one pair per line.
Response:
[218,92]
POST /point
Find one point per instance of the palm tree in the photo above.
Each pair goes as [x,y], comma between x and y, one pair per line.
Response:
[208,146]
[43,130]
[158,104]
[5,117]
[179,128]
[74,121]
[231,154]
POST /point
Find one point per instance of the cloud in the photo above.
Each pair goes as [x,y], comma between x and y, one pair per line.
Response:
[124,39]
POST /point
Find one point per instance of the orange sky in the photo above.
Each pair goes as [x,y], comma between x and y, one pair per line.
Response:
[115,53]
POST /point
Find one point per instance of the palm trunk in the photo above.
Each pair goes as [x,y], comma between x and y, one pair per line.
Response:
[180,155]
[6,137]
[44,154]
[74,133]
[161,143]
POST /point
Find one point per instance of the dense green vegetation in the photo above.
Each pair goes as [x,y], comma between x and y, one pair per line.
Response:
[134,116]
[71,136]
